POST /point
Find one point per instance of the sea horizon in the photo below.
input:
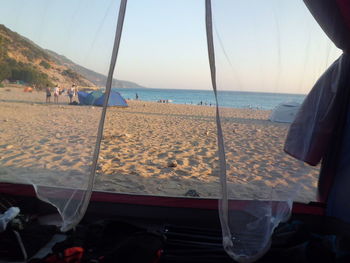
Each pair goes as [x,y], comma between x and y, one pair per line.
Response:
[231,99]
[243,91]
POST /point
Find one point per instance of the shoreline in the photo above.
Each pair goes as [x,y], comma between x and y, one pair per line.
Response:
[88,89]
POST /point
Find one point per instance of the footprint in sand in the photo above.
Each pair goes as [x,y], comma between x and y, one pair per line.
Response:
[209,160]
[67,163]
[115,149]
[57,158]
[43,141]
[182,173]
[59,150]
[193,162]
[162,155]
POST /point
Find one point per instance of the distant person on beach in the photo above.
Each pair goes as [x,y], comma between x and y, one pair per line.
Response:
[48,94]
[56,93]
[136,96]
[71,92]
[75,93]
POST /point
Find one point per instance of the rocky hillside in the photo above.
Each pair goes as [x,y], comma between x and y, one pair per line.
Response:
[23,60]
[96,78]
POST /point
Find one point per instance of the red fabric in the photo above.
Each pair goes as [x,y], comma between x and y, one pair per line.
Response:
[309,209]
[175,202]
[73,255]
[158,255]
[70,255]
[344,7]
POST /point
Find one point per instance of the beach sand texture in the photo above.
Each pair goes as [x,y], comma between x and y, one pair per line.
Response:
[148,148]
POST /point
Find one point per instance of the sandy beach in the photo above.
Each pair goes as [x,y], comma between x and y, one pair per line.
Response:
[147,148]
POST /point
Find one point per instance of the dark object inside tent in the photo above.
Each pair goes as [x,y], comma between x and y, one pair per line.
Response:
[124,228]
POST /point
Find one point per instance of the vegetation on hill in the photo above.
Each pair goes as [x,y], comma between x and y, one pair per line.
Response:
[22,60]
[44,64]
[96,78]
[13,70]
[70,73]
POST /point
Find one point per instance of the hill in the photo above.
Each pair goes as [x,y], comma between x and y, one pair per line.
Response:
[96,78]
[22,60]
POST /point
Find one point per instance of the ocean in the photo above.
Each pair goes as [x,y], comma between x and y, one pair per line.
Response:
[232,99]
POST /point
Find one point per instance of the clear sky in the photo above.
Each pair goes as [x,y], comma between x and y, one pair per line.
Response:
[270,45]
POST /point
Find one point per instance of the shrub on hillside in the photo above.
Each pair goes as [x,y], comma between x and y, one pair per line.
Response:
[33,53]
[70,73]
[44,64]
[31,76]
[18,71]
[5,71]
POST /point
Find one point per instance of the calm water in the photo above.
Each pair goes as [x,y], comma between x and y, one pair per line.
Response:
[232,99]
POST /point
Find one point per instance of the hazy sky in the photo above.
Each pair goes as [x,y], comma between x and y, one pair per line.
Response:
[270,45]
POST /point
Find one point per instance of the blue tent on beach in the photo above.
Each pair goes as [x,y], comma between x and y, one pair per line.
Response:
[115,99]
[93,96]
[82,97]
[96,98]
